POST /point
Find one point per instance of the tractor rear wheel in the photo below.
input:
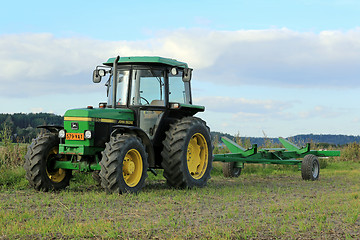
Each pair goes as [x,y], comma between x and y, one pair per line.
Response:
[40,161]
[310,168]
[123,165]
[187,153]
[230,170]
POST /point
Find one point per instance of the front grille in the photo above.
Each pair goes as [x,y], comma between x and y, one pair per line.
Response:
[102,133]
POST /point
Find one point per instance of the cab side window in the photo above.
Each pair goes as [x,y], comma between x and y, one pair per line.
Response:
[177,89]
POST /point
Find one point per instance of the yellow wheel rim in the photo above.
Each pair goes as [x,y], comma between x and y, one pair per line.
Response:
[56,175]
[132,167]
[197,156]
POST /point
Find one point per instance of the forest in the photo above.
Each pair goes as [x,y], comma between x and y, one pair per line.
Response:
[23,126]
[23,129]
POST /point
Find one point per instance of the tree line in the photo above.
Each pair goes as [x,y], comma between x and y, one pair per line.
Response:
[22,126]
[323,140]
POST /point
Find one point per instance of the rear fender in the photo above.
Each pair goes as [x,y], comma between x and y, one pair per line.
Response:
[52,129]
[142,135]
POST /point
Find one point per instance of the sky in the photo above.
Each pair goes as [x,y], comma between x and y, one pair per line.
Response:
[276,67]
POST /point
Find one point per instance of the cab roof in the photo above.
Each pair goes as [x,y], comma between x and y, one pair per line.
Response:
[147,60]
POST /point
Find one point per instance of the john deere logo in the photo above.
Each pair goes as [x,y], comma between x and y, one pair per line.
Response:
[74,126]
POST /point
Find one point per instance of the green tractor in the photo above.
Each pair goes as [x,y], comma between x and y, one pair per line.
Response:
[147,123]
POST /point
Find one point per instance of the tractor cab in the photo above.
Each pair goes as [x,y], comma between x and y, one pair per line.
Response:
[150,86]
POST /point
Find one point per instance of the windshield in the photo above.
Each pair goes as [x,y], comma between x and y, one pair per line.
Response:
[147,87]
[122,87]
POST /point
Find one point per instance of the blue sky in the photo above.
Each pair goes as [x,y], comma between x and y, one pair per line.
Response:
[282,67]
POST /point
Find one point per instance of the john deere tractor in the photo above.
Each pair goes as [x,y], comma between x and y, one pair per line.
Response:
[147,123]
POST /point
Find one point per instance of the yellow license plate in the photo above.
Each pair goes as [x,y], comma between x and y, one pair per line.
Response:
[74,136]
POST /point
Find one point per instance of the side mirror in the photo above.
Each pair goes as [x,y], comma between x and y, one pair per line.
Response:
[187,75]
[96,76]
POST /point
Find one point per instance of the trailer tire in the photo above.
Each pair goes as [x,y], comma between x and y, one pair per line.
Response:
[39,164]
[187,153]
[95,175]
[230,171]
[123,165]
[310,168]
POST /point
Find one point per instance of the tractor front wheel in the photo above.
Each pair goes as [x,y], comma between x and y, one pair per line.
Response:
[123,165]
[310,168]
[40,161]
[187,153]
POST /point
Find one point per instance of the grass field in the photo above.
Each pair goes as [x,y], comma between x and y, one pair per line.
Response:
[263,203]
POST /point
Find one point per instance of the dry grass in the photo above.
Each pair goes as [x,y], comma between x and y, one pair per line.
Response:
[263,203]
[255,206]
[11,155]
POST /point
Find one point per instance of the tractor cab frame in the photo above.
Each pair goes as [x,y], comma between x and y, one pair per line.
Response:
[150,86]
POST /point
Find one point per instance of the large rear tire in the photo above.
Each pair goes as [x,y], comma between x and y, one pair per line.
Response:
[310,168]
[39,164]
[123,165]
[187,153]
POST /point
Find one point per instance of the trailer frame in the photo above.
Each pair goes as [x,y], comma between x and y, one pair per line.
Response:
[290,154]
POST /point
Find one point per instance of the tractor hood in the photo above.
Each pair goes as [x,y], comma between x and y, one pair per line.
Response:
[104,115]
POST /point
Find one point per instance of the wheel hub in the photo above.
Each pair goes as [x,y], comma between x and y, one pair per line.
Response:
[132,167]
[129,167]
[197,158]
[55,175]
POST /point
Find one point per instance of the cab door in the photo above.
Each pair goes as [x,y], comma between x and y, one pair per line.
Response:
[148,95]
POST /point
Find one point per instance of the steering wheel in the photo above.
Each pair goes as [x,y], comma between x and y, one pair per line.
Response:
[145,100]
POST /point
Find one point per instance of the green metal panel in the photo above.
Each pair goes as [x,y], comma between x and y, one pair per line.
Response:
[78,149]
[288,145]
[102,113]
[257,158]
[83,126]
[86,119]
[159,60]
[233,146]
[288,155]
[81,166]
[197,107]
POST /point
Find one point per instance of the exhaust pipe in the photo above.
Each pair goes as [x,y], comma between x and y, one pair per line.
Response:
[115,81]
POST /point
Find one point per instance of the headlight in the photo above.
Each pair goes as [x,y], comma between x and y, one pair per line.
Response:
[62,133]
[174,71]
[88,134]
[102,72]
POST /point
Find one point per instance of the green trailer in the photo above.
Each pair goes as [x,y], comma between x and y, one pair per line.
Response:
[290,154]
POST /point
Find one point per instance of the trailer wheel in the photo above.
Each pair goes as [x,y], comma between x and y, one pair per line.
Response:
[95,175]
[123,165]
[310,168]
[39,164]
[187,153]
[230,171]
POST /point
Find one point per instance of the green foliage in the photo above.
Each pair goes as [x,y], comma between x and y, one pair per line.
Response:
[11,154]
[323,141]
[351,152]
[242,141]
[323,163]
[23,126]
[13,179]
[254,206]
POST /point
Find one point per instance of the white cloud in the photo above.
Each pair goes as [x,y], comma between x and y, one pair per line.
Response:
[240,105]
[40,64]
[37,110]
[323,112]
